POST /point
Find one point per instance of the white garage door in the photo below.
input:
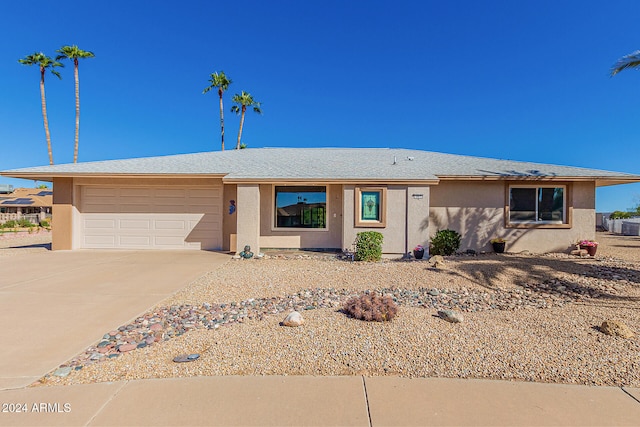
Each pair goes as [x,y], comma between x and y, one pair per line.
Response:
[151,217]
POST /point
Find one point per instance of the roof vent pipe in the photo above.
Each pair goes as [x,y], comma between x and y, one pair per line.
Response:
[394,160]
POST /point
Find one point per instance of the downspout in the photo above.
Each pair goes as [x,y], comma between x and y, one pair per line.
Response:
[406,225]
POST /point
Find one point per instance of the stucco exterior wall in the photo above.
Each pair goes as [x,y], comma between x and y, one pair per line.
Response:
[395,242]
[476,210]
[62,220]
[229,221]
[248,214]
[331,238]
[418,200]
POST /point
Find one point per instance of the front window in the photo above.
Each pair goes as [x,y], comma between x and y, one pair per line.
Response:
[301,206]
[541,205]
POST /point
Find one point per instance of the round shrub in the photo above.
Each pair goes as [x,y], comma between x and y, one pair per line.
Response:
[371,307]
[368,246]
[445,242]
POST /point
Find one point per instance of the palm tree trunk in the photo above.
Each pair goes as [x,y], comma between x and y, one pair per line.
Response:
[221,118]
[44,116]
[244,108]
[75,75]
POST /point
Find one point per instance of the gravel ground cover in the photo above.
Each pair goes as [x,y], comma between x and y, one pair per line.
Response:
[526,317]
[24,242]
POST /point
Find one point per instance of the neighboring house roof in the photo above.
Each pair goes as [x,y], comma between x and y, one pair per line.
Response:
[32,197]
[325,164]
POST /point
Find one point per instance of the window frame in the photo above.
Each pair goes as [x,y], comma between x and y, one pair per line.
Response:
[274,215]
[359,222]
[567,206]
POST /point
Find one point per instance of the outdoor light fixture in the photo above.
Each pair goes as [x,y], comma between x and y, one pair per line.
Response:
[417,196]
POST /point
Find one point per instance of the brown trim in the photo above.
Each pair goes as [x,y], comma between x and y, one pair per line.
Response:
[359,222]
[568,206]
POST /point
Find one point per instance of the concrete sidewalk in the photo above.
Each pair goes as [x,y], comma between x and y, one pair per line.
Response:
[53,305]
[320,401]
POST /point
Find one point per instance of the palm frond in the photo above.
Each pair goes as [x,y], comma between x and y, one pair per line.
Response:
[629,61]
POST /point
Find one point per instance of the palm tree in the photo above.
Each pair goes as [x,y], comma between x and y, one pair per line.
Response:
[220,81]
[243,101]
[44,62]
[629,61]
[74,53]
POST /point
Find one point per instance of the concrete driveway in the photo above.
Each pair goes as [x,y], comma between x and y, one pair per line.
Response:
[54,305]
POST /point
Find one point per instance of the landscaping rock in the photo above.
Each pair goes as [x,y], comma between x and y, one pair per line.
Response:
[126,347]
[62,372]
[616,328]
[451,316]
[293,319]
[436,261]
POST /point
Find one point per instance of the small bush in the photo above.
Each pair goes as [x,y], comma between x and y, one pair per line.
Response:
[445,242]
[368,246]
[23,222]
[620,215]
[45,223]
[371,307]
[9,224]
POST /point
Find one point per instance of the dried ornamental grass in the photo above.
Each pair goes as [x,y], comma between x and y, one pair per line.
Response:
[371,307]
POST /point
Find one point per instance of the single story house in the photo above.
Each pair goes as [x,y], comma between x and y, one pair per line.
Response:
[32,203]
[319,198]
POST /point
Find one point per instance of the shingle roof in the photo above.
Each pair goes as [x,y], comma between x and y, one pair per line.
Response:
[322,164]
[27,197]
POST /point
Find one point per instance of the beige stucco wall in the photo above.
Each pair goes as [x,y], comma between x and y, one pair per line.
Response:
[331,238]
[62,214]
[229,221]
[476,210]
[418,200]
[395,231]
[248,215]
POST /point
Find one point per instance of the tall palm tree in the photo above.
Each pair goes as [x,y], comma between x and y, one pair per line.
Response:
[629,61]
[220,81]
[243,101]
[44,63]
[74,53]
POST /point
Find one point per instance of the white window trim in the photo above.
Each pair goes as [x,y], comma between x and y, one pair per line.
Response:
[273,219]
[564,204]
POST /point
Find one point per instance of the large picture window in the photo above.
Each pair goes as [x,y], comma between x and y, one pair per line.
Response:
[537,205]
[301,206]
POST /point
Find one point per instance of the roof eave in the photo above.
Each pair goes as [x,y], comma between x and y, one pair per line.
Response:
[371,181]
[600,180]
[41,176]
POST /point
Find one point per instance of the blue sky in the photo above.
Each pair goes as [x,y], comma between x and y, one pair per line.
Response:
[521,80]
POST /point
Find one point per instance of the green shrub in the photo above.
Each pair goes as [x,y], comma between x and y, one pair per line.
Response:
[10,224]
[368,246]
[45,223]
[371,307]
[23,222]
[620,215]
[445,242]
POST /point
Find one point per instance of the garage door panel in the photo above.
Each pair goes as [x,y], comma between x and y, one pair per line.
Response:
[203,192]
[170,192]
[151,217]
[135,224]
[97,224]
[99,241]
[169,209]
[101,192]
[135,192]
[134,241]
[165,224]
